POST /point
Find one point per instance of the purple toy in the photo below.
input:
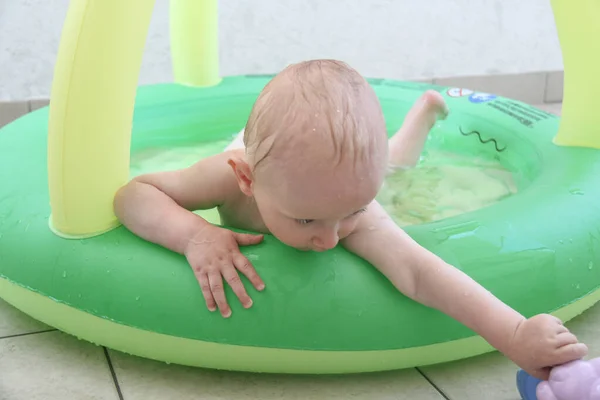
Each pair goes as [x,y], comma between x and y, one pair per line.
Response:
[577,380]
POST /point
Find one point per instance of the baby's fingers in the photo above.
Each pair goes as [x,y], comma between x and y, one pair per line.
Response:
[541,374]
[246,268]
[565,338]
[570,352]
[233,279]
[206,292]
[216,287]
[247,239]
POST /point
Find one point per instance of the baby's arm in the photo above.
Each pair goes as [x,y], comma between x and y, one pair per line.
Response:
[158,207]
[534,344]
[426,278]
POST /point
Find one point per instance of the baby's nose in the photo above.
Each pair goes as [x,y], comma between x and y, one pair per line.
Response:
[327,239]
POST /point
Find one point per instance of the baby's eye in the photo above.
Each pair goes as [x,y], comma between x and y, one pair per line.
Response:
[362,210]
[304,221]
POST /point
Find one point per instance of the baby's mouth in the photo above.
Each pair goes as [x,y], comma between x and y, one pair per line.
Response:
[318,249]
[304,249]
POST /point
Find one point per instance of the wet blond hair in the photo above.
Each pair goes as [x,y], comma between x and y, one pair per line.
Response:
[319,102]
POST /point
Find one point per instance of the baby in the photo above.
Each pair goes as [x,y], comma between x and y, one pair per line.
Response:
[314,156]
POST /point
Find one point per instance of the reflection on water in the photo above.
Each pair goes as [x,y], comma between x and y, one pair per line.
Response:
[444,185]
[160,159]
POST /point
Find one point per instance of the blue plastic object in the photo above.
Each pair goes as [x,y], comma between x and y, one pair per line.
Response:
[527,385]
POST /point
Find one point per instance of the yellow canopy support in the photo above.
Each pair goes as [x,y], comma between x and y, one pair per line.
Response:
[578,26]
[194,42]
[93,94]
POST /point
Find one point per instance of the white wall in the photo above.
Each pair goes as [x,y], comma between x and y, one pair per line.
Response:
[404,39]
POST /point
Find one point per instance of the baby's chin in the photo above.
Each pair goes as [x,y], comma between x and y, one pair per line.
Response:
[292,245]
[299,248]
[307,249]
[304,249]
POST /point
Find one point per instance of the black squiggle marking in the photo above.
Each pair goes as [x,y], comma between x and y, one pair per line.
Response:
[499,150]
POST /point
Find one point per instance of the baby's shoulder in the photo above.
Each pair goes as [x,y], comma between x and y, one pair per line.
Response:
[208,183]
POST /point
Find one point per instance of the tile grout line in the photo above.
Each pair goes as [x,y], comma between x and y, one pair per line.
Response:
[27,334]
[546,82]
[440,391]
[113,373]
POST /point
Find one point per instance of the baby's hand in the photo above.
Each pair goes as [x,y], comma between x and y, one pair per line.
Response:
[542,342]
[214,253]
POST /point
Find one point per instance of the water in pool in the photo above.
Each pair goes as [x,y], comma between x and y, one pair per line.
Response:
[160,159]
[442,184]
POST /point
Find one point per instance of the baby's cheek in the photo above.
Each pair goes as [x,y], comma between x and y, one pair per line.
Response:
[346,229]
[287,233]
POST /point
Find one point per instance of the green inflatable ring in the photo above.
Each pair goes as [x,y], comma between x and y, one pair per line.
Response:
[538,251]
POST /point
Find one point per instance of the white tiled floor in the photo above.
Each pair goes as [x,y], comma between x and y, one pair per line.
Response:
[142,380]
[53,365]
[37,362]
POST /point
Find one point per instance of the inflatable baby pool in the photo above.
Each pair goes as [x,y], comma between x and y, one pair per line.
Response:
[67,262]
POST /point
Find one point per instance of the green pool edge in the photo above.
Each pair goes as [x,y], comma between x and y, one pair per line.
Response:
[195,353]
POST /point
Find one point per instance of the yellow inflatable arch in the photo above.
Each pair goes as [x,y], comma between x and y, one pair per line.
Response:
[93,95]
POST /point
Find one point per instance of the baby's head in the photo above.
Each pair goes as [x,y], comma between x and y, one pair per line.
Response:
[316,153]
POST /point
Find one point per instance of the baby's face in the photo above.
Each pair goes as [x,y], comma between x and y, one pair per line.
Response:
[313,211]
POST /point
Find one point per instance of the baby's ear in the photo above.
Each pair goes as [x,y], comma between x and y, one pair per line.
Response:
[243,174]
